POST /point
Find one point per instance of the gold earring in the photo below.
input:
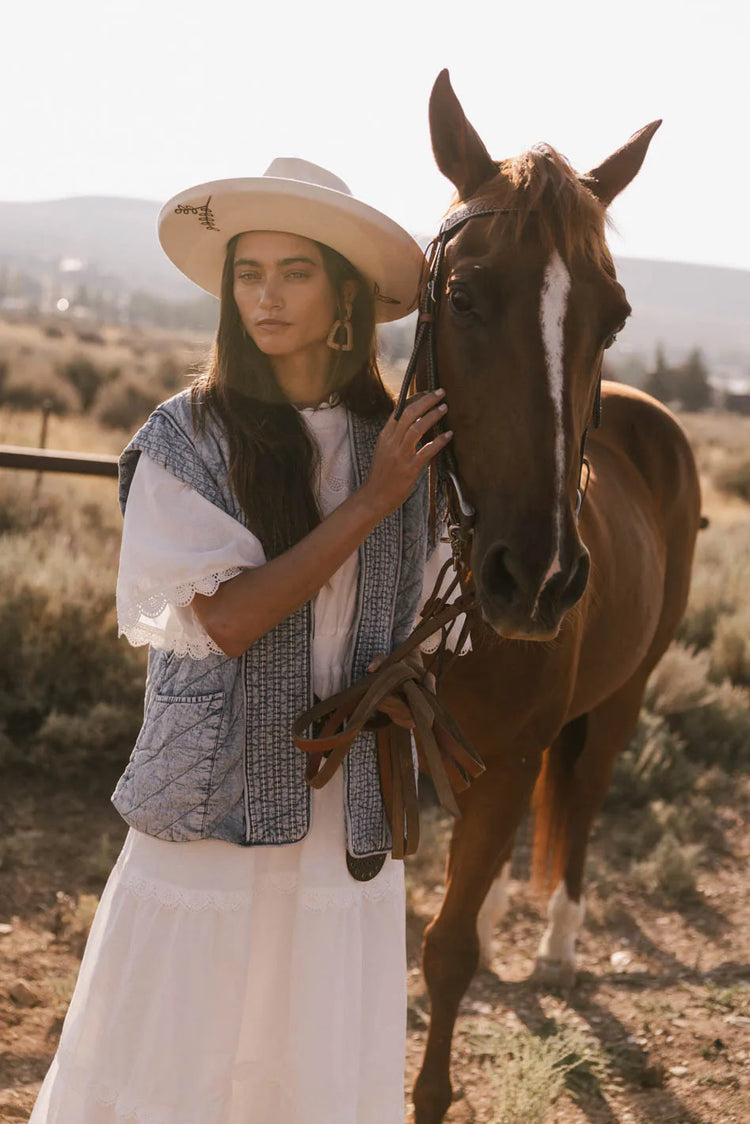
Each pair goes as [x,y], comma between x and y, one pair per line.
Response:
[344,326]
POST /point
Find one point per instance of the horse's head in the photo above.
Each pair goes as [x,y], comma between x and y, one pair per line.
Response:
[528,302]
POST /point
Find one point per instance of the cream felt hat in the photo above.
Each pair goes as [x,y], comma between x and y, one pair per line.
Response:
[296,197]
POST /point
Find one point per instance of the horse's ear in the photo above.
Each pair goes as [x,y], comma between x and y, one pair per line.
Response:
[459,153]
[616,172]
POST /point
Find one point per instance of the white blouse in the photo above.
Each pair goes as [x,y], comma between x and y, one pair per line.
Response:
[175,544]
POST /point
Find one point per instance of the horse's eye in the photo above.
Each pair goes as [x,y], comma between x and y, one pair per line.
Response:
[460,301]
[610,339]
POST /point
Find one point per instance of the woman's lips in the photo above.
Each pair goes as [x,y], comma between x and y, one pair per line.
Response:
[272,325]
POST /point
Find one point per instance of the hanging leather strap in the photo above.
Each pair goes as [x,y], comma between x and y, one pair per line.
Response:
[444,751]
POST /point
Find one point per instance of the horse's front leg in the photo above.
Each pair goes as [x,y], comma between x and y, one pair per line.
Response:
[482,838]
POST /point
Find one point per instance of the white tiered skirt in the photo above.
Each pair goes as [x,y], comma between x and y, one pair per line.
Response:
[232,985]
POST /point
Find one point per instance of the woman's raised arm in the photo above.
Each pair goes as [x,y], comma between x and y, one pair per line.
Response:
[250,604]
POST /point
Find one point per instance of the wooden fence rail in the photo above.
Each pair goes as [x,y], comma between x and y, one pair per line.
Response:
[52,460]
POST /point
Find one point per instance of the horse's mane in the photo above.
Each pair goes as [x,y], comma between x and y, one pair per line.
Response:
[541,181]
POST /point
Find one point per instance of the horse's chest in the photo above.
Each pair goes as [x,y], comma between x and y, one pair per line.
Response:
[517,696]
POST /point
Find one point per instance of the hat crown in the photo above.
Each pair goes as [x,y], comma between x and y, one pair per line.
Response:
[292,168]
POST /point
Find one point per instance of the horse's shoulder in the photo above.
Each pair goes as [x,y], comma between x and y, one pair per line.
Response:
[642,430]
[626,407]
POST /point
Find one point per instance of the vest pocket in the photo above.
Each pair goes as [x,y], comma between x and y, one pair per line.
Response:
[166,786]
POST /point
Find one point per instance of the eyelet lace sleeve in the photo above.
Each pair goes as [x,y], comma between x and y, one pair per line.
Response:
[175,544]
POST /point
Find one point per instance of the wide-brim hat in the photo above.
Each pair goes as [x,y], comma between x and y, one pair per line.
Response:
[296,197]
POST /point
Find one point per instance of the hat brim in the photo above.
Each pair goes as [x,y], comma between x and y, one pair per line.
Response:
[196,226]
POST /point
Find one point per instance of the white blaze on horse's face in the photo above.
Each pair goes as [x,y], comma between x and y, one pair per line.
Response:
[553,306]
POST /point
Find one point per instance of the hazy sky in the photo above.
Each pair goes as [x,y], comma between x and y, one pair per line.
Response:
[145,98]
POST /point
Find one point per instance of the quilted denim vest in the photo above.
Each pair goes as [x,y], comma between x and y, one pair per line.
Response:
[215,756]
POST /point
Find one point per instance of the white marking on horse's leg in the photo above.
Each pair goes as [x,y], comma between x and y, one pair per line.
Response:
[556,958]
[553,306]
[492,912]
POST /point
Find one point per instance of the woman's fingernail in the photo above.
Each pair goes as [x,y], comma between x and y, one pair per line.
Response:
[448,434]
[440,392]
[442,408]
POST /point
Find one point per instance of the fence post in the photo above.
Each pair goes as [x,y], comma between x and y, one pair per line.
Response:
[46,411]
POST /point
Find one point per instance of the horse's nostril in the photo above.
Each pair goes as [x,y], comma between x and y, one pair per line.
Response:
[497,576]
[577,582]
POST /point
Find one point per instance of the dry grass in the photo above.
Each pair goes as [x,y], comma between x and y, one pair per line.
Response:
[526,1073]
[61,539]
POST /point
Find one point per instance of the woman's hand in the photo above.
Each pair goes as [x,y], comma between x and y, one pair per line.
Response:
[397,461]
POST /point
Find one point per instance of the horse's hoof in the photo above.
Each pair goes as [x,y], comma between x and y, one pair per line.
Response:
[558,974]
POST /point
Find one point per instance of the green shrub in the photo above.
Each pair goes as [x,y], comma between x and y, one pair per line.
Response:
[730,648]
[69,742]
[126,404]
[171,374]
[45,391]
[655,764]
[721,579]
[669,869]
[719,732]
[86,379]
[526,1073]
[735,479]
[63,670]
[679,682]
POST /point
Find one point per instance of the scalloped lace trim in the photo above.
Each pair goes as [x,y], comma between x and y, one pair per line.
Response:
[131,624]
[151,605]
[432,643]
[315,899]
[196,647]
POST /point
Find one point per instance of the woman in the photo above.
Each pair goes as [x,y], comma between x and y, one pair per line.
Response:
[247,961]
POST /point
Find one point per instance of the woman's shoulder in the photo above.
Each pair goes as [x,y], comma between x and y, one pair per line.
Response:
[182,407]
[185,417]
[176,437]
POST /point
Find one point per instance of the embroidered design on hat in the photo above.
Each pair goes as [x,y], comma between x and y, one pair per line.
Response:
[204,213]
[382,297]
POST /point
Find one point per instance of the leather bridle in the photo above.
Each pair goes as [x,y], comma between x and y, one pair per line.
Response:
[445,483]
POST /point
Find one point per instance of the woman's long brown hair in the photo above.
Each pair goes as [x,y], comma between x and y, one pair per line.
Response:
[272,458]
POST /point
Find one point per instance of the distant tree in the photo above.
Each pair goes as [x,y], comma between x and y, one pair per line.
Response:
[629,369]
[660,381]
[692,386]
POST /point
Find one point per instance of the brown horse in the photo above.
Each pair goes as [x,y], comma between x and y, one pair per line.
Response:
[573,614]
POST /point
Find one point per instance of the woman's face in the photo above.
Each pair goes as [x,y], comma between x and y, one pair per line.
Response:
[285,299]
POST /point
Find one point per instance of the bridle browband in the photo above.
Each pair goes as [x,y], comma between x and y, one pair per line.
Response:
[444,478]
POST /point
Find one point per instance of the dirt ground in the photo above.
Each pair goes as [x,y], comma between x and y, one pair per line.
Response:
[663,993]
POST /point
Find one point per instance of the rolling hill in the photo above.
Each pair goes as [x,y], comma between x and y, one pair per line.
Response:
[112,242]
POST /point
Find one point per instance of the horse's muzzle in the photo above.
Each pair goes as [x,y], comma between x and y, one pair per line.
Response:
[515,606]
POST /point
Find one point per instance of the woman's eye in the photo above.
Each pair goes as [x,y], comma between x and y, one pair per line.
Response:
[248,276]
[459,299]
[297,274]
